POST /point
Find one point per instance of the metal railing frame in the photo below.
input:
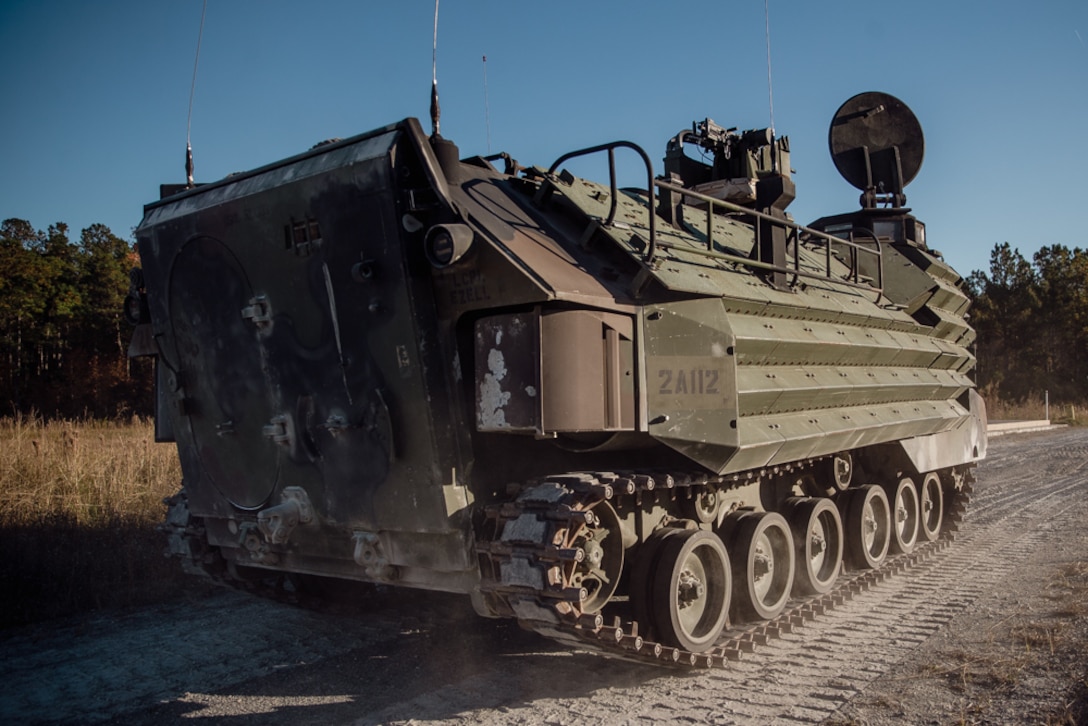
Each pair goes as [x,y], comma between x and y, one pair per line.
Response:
[794,230]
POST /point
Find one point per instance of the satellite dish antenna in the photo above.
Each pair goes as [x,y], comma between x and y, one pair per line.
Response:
[877,145]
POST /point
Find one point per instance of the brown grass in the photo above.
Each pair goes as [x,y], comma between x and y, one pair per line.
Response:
[964,670]
[79,503]
[1069,591]
[1034,408]
[1028,639]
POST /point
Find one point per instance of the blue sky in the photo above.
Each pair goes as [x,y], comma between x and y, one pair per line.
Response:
[96,94]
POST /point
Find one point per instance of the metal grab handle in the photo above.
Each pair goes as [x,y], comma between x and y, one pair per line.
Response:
[611,149]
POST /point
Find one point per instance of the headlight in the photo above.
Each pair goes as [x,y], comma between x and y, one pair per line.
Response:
[447,243]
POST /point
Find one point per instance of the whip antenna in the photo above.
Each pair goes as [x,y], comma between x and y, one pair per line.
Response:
[192,91]
[435,111]
[767,28]
[487,109]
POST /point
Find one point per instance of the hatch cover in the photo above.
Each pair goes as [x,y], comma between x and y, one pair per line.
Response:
[225,386]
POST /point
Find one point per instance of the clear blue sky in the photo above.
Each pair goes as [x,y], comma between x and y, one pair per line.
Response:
[95,94]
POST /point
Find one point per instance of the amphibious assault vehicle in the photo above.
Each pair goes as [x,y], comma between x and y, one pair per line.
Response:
[651,422]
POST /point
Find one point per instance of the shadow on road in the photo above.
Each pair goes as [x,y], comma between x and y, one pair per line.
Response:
[435,660]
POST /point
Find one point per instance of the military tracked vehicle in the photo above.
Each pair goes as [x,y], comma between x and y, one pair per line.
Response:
[659,422]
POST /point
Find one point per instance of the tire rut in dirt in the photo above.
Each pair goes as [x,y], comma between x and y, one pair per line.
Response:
[806,676]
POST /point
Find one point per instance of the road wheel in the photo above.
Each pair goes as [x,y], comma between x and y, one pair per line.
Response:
[867,526]
[818,543]
[763,565]
[691,590]
[932,506]
[903,499]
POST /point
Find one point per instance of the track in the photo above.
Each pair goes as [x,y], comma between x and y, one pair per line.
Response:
[536,568]
[413,657]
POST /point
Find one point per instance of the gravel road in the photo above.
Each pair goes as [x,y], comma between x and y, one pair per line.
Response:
[992,629]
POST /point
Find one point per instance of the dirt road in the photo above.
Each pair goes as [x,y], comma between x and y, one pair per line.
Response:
[992,629]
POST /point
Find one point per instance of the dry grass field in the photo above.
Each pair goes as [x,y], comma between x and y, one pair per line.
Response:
[79,503]
[1034,409]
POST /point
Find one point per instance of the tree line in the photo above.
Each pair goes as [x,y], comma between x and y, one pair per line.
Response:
[64,340]
[1032,323]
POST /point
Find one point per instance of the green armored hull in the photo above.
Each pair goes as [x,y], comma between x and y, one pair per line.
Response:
[671,409]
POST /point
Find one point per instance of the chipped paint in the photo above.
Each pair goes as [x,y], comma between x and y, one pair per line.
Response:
[492,398]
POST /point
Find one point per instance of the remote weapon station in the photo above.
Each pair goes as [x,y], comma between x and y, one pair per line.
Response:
[657,423]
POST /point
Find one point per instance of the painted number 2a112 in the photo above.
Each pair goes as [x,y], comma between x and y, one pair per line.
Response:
[679,381]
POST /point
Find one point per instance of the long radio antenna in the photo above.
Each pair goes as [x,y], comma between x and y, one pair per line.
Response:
[487,109]
[192,91]
[435,111]
[767,27]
